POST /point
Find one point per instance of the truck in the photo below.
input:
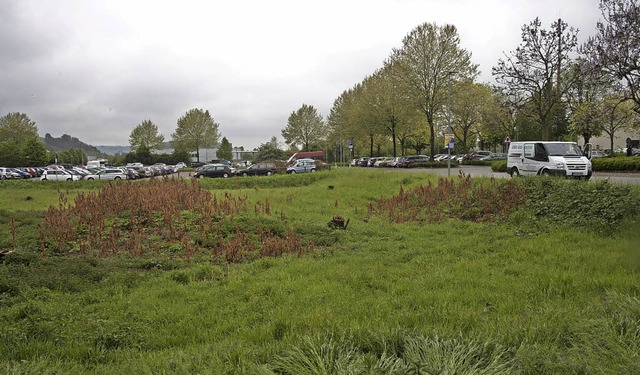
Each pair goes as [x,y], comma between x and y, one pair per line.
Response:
[543,158]
[315,155]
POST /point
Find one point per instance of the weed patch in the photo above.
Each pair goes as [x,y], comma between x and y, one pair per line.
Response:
[167,215]
[466,199]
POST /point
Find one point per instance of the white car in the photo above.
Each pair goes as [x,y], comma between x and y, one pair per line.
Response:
[7,173]
[58,175]
[107,174]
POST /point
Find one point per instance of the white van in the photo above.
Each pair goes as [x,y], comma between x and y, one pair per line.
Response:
[537,158]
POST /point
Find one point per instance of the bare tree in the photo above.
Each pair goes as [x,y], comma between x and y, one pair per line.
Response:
[615,49]
[538,68]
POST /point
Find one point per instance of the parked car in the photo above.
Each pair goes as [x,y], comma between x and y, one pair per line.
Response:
[8,174]
[302,166]
[440,157]
[213,170]
[412,159]
[58,175]
[132,173]
[362,162]
[494,156]
[383,162]
[22,174]
[372,161]
[477,155]
[107,174]
[265,169]
[597,154]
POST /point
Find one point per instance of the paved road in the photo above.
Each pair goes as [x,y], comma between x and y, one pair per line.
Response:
[476,171]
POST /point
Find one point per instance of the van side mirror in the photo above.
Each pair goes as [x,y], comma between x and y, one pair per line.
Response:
[588,151]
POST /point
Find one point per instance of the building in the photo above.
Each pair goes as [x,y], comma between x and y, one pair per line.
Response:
[603,142]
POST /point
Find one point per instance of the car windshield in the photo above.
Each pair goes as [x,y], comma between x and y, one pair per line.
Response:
[563,149]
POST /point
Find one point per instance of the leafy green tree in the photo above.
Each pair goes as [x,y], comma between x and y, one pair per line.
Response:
[10,154]
[73,156]
[34,153]
[17,128]
[143,155]
[469,104]
[195,130]
[305,127]
[615,49]
[270,151]
[618,113]
[16,131]
[586,120]
[146,135]
[225,150]
[179,155]
[430,57]
[540,69]
[390,108]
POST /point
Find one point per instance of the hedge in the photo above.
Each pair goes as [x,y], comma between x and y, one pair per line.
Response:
[433,164]
[618,163]
[621,163]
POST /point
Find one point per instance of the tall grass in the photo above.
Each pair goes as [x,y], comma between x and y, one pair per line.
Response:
[457,296]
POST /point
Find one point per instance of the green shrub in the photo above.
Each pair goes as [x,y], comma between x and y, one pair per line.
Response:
[433,164]
[499,166]
[595,205]
[619,163]
[476,162]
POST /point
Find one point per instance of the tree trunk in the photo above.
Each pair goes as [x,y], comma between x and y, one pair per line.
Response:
[370,145]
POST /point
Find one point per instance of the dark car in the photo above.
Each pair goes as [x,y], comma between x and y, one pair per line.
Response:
[412,159]
[264,169]
[362,162]
[213,170]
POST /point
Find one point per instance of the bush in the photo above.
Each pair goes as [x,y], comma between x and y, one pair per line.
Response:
[597,205]
[499,166]
[619,163]
[432,164]
[476,162]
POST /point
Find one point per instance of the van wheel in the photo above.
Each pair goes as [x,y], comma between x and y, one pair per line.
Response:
[201,176]
[313,171]
[545,172]
[515,172]
[268,173]
[245,174]
[225,175]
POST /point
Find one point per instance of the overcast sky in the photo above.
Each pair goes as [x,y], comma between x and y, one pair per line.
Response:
[95,69]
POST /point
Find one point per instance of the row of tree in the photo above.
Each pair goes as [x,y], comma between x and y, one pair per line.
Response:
[549,88]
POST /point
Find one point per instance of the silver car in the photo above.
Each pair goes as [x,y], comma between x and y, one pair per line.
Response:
[107,174]
[58,175]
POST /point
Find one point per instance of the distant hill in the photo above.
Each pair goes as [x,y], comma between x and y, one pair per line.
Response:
[67,142]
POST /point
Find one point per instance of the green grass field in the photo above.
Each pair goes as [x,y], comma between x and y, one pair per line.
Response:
[551,288]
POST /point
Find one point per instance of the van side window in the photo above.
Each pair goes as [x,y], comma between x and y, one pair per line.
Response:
[529,151]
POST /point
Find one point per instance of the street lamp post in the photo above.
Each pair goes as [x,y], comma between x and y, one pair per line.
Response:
[449,123]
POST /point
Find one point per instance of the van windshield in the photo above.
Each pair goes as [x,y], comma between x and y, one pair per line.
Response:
[563,149]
